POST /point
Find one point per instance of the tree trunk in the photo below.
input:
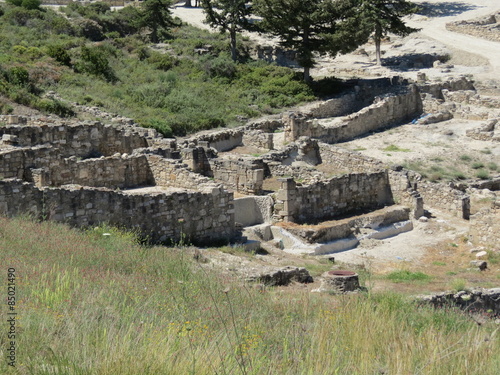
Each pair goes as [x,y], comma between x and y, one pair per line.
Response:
[378,39]
[232,34]
[188,4]
[307,74]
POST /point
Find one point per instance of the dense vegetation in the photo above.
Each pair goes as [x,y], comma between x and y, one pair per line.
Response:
[94,56]
[95,302]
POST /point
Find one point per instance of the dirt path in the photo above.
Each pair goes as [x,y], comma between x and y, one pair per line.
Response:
[433,25]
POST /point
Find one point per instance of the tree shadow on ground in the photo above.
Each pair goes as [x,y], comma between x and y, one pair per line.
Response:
[412,61]
[444,9]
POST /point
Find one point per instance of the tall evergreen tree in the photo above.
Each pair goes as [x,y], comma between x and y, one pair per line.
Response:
[310,26]
[156,16]
[380,17]
[228,15]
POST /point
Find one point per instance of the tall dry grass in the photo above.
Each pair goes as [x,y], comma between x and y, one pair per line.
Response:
[91,303]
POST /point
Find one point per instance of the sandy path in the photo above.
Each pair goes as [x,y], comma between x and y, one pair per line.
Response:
[434,27]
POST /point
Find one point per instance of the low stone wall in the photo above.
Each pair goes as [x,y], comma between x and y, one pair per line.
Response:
[174,173]
[243,174]
[446,198]
[253,210]
[485,27]
[222,140]
[485,227]
[332,198]
[202,217]
[258,139]
[489,131]
[80,139]
[386,111]
[112,172]
[473,301]
[436,88]
[346,161]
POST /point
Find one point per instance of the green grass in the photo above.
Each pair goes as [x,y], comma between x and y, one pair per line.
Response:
[91,303]
[394,148]
[404,276]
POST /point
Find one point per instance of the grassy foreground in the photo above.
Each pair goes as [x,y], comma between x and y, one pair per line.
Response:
[95,302]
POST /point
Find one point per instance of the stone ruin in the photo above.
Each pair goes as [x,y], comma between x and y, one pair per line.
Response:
[202,190]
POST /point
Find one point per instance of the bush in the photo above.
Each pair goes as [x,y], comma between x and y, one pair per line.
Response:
[161,61]
[18,75]
[483,174]
[20,16]
[31,4]
[59,53]
[159,125]
[54,106]
[221,67]
[89,29]
[93,61]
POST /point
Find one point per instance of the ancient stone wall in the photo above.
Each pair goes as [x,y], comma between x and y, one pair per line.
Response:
[446,198]
[174,173]
[485,227]
[386,111]
[201,217]
[222,140]
[81,139]
[112,172]
[258,139]
[485,27]
[346,161]
[473,301]
[436,88]
[332,198]
[243,174]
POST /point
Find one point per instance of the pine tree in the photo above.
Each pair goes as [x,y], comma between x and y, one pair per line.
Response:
[156,16]
[383,16]
[228,15]
[310,26]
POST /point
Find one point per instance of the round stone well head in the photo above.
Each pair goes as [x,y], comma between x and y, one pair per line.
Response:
[341,281]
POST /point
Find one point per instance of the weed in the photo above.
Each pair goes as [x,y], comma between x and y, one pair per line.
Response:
[492,166]
[465,157]
[438,263]
[401,276]
[394,148]
[458,284]
[477,165]
[483,174]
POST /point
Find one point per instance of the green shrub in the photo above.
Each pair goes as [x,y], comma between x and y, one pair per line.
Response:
[482,174]
[492,166]
[31,4]
[220,67]
[465,158]
[477,165]
[159,125]
[18,75]
[88,29]
[59,53]
[54,106]
[94,61]
[161,61]
[20,16]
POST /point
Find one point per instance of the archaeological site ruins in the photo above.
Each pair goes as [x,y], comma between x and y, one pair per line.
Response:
[297,186]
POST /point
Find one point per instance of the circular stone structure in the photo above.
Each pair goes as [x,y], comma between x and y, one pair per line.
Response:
[340,281]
